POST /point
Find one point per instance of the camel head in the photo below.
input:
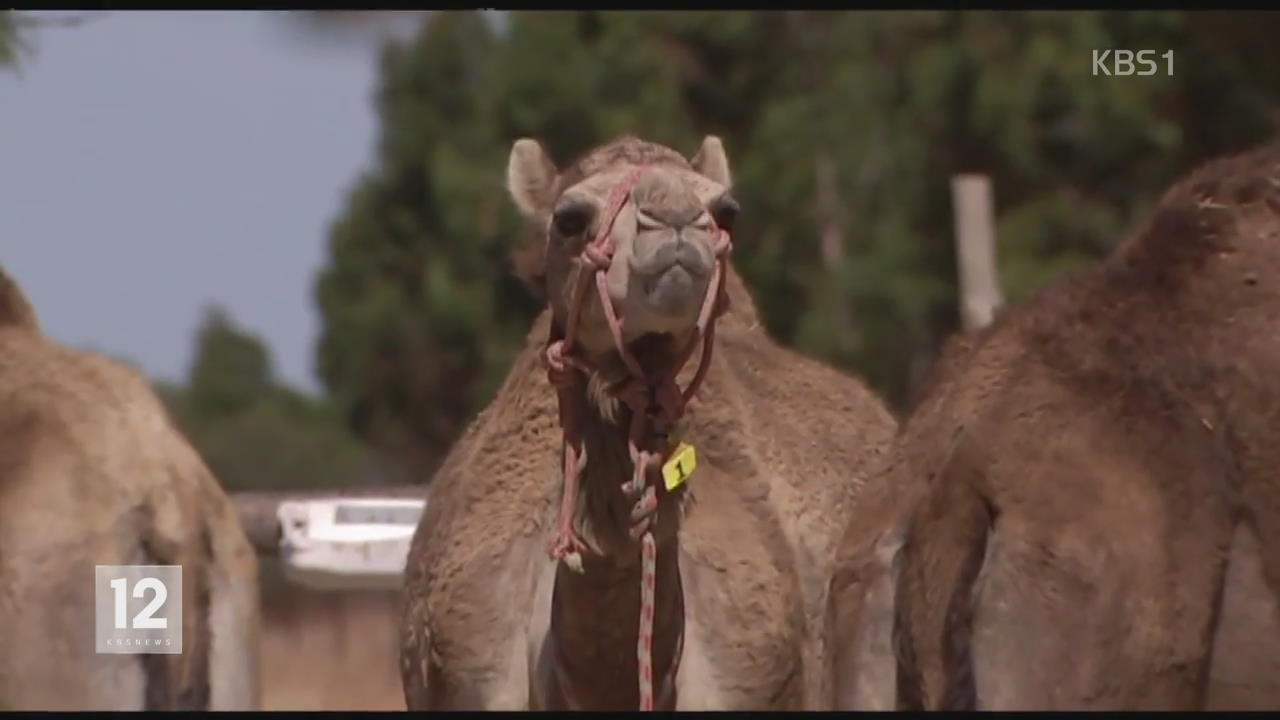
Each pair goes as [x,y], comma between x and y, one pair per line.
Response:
[663,235]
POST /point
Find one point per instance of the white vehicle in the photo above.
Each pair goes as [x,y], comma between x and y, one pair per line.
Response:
[347,543]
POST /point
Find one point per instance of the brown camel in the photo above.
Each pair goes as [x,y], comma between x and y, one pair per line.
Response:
[93,473]
[744,548]
[861,598]
[1094,509]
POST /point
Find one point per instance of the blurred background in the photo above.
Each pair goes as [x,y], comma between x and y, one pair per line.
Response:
[296,224]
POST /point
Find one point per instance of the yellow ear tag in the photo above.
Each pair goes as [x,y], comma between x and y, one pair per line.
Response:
[681,465]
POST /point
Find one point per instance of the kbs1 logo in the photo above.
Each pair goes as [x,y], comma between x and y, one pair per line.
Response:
[138,609]
[1127,62]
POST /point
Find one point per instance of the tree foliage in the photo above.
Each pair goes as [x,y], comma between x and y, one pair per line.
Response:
[8,38]
[843,130]
[231,372]
[254,432]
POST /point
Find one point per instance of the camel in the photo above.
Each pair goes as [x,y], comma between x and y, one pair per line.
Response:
[92,472]
[1087,511]
[863,584]
[743,548]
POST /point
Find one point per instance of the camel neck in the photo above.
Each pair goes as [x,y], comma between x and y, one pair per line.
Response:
[595,614]
[595,618]
[604,510]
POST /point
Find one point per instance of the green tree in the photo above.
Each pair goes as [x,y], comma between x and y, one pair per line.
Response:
[8,38]
[843,131]
[415,270]
[896,103]
[254,432]
[232,369]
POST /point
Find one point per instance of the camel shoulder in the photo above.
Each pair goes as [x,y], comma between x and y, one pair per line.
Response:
[812,431]
[837,410]
[495,489]
[501,468]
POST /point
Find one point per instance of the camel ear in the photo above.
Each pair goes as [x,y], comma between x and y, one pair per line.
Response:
[15,310]
[531,177]
[711,161]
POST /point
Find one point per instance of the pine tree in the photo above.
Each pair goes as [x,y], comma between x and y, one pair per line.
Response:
[843,131]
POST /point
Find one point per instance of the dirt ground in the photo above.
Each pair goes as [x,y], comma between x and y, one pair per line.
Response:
[329,650]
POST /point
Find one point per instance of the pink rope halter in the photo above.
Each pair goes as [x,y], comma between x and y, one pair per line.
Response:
[655,399]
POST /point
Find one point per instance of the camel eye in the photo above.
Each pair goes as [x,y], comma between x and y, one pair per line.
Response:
[725,210]
[572,218]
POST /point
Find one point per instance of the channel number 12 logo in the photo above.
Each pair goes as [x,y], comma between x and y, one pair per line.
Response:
[138,608]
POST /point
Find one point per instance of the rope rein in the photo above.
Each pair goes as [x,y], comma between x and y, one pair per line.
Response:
[655,399]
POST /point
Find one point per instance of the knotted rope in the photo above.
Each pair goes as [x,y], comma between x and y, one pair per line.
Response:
[656,404]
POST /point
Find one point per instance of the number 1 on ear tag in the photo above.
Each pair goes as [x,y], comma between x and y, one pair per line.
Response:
[680,466]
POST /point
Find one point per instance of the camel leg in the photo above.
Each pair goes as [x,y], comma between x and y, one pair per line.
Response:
[1048,634]
[485,654]
[861,618]
[757,671]
[697,687]
[46,606]
[505,689]
[502,686]
[1245,669]
[1111,609]
[234,620]
[544,693]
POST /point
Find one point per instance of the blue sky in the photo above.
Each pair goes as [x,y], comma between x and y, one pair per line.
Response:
[154,162]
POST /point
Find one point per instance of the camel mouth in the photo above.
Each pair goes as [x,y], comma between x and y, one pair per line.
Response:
[696,261]
[654,350]
[673,291]
[673,277]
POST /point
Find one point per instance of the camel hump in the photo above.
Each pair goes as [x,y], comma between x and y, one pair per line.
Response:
[15,310]
[1200,215]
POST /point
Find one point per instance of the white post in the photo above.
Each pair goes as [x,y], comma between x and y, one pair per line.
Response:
[974,211]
